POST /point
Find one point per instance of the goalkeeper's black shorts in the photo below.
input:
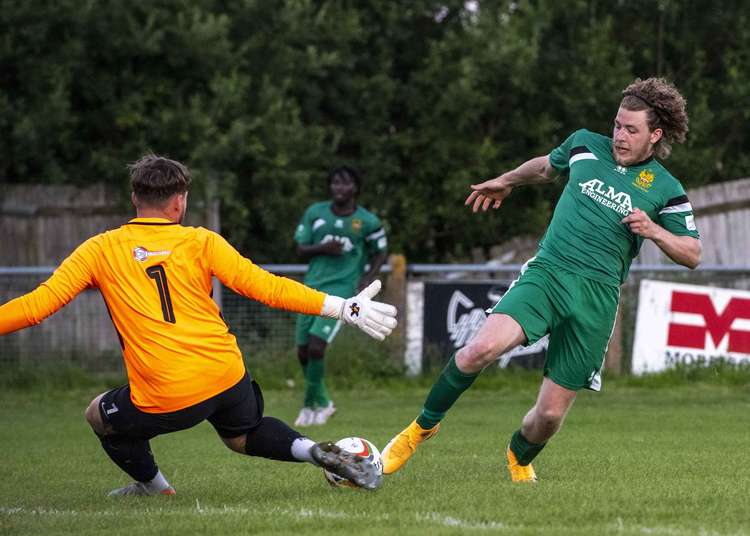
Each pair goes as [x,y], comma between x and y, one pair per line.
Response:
[232,413]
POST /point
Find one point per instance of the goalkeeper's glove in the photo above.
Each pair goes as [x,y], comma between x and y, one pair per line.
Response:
[377,319]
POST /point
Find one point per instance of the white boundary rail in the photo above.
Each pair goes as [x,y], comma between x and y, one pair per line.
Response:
[426,268]
[417,274]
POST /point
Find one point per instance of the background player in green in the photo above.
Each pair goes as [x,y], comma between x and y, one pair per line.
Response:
[617,195]
[339,238]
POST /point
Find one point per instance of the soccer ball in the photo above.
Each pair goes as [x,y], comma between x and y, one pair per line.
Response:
[355,445]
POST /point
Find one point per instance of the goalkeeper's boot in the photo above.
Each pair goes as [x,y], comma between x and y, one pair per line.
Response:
[140,489]
[399,449]
[518,472]
[348,465]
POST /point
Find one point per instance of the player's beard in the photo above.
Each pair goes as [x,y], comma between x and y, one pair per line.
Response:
[632,157]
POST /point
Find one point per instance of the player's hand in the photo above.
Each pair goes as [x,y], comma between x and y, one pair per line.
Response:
[640,224]
[488,193]
[377,319]
[332,247]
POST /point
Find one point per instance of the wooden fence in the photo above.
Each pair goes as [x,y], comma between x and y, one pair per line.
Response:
[41,225]
[722,214]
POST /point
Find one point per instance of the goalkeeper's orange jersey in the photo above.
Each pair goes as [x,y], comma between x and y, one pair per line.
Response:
[155,277]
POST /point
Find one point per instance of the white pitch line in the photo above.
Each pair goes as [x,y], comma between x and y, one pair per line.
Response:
[302,513]
[448,521]
[432,518]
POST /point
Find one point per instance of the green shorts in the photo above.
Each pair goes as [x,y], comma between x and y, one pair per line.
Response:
[578,313]
[323,328]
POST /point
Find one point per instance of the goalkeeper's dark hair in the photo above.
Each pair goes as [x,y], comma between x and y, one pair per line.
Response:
[154,179]
[666,110]
[346,171]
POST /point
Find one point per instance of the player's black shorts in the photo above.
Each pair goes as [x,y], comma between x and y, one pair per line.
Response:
[232,413]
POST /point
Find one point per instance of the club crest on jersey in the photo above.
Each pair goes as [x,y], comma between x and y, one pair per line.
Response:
[356,225]
[141,254]
[644,180]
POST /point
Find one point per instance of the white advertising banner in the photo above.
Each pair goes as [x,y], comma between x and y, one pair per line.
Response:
[689,324]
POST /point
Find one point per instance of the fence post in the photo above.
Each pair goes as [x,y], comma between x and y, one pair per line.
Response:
[395,294]
[213,222]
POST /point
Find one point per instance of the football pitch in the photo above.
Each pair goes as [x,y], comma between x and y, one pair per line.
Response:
[631,460]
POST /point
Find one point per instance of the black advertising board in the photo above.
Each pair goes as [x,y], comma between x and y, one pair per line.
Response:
[454,311]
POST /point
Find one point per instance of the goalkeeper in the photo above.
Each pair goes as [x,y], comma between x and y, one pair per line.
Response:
[183,364]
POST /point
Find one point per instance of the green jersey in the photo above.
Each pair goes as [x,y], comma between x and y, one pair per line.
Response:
[362,236]
[585,235]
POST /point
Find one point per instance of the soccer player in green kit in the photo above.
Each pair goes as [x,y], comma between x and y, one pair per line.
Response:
[617,194]
[339,238]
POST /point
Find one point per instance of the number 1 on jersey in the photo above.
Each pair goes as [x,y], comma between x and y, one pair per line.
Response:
[158,274]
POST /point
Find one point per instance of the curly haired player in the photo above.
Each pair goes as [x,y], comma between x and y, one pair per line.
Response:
[617,194]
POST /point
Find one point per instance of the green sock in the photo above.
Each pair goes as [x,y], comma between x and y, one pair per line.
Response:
[304,379]
[444,393]
[315,388]
[321,398]
[525,452]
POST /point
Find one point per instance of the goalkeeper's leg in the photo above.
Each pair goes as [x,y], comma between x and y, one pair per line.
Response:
[244,429]
[131,454]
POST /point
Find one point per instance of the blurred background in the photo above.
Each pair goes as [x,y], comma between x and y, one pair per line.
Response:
[262,98]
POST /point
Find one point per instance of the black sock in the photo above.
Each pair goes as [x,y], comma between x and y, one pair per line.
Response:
[131,455]
[524,450]
[271,439]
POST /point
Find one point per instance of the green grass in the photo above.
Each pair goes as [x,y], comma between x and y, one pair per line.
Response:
[672,460]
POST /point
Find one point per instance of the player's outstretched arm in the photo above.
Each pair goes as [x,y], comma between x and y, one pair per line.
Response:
[494,191]
[241,275]
[71,277]
[375,318]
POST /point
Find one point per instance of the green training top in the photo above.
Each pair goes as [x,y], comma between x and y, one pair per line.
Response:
[585,234]
[362,236]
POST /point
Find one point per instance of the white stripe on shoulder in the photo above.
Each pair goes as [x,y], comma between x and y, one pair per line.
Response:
[683,207]
[377,234]
[581,156]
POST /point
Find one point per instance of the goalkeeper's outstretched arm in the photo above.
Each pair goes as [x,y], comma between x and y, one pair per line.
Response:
[70,278]
[246,278]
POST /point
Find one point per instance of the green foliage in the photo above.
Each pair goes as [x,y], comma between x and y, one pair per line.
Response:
[55,378]
[721,373]
[262,98]
[355,363]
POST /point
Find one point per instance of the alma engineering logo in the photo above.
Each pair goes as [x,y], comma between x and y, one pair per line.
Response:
[606,195]
[718,325]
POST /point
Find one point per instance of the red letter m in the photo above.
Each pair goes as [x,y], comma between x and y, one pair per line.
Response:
[718,325]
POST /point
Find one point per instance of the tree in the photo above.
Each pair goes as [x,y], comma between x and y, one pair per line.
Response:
[262,98]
